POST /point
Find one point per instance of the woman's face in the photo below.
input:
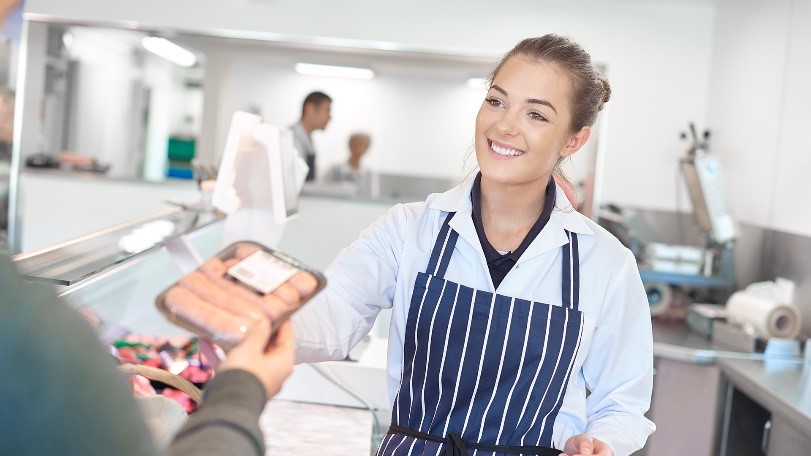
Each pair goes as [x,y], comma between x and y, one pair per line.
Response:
[522,128]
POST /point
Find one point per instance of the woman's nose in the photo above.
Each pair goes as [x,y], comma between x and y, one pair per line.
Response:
[507,124]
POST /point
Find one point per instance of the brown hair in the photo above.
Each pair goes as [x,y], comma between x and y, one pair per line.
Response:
[315,99]
[590,90]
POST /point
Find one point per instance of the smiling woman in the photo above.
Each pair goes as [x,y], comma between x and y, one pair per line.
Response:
[502,276]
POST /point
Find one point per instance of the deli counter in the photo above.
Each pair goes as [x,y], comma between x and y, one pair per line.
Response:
[118,281]
[714,387]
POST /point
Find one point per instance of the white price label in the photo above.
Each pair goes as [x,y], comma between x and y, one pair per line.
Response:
[262,271]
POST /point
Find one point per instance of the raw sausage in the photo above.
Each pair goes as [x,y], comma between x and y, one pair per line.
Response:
[278,304]
[213,273]
[288,293]
[187,310]
[304,282]
[209,291]
[277,308]
[243,250]
[215,266]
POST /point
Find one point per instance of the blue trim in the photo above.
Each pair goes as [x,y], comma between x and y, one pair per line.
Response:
[438,245]
[576,270]
[565,276]
[446,258]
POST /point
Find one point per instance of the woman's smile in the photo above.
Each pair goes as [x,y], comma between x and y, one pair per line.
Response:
[503,151]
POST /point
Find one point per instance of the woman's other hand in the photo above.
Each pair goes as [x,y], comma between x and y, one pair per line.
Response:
[582,444]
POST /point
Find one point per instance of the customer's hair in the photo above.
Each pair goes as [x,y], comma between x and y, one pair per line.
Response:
[590,90]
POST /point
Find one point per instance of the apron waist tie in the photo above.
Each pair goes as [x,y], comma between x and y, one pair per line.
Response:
[455,446]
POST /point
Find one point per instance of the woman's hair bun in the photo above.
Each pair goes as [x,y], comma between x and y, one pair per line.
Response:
[606,89]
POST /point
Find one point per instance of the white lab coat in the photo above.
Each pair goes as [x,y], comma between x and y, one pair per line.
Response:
[615,360]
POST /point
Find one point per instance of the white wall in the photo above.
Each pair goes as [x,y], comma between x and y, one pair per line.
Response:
[658,56]
[760,110]
[790,198]
[107,71]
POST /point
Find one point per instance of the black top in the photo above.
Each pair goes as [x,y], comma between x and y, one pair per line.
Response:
[499,264]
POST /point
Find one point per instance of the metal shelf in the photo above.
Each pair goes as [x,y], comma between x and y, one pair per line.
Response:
[72,261]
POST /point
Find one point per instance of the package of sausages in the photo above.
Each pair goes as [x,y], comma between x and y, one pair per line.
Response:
[244,282]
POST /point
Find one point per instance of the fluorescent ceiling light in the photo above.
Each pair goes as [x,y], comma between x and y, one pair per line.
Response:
[334,71]
[477,83]
[169,51]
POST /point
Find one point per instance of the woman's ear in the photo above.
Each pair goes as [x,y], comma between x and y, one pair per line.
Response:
[576,141]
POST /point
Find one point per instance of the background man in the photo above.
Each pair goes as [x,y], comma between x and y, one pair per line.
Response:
[315,115]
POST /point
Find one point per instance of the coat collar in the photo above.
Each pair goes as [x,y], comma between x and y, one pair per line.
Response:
[553,236]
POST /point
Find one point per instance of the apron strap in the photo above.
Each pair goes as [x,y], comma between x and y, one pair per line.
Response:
[570,286]
[455,446]
[443,249]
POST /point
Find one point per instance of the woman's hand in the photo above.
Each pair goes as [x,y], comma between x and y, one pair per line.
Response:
[272,363]
[582,444]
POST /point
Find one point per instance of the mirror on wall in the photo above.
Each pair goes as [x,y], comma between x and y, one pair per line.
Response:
[123,104]
[102,110]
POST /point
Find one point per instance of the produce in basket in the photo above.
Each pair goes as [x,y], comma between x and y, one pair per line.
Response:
[154,361]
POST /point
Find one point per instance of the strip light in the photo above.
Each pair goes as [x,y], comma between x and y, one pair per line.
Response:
[169,51]
[334,71]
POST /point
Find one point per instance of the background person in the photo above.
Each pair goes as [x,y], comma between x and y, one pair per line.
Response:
[315,115]
[351,170]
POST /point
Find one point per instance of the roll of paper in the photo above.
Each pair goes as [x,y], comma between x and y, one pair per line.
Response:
[767,317]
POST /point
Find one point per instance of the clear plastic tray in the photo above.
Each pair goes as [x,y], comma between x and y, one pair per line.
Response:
[244,282]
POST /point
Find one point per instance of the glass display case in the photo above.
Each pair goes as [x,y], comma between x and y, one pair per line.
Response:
[79,259]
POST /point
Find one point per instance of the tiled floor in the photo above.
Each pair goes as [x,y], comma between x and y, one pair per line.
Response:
[293,428]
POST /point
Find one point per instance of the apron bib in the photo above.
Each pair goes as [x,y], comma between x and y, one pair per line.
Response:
[483,373]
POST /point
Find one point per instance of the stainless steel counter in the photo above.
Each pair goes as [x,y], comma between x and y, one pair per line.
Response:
[675,341]
[690,369]
[784,388]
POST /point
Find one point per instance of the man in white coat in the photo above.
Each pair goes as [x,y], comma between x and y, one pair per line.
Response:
[315,115]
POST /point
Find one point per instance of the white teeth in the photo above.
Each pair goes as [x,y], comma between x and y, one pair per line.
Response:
[505,151]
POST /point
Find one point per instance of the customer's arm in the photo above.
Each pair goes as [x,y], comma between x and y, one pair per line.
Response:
[227,423]
[61,393]
[59,390]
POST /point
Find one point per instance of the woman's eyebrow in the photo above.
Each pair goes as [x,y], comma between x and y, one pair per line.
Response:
[530,100]
[542,102]
[503,92]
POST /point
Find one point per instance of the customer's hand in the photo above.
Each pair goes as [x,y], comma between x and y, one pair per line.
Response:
[271,364]
[582,444]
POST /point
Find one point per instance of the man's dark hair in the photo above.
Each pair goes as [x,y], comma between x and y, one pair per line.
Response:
[315,98]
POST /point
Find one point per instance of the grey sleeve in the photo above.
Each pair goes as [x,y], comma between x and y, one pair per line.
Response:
[228,421]
[60,390]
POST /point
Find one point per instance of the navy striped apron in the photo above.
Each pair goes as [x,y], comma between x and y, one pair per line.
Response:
[483,373]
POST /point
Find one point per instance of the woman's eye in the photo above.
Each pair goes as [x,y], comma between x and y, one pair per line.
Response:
[537,116]
[495,102]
